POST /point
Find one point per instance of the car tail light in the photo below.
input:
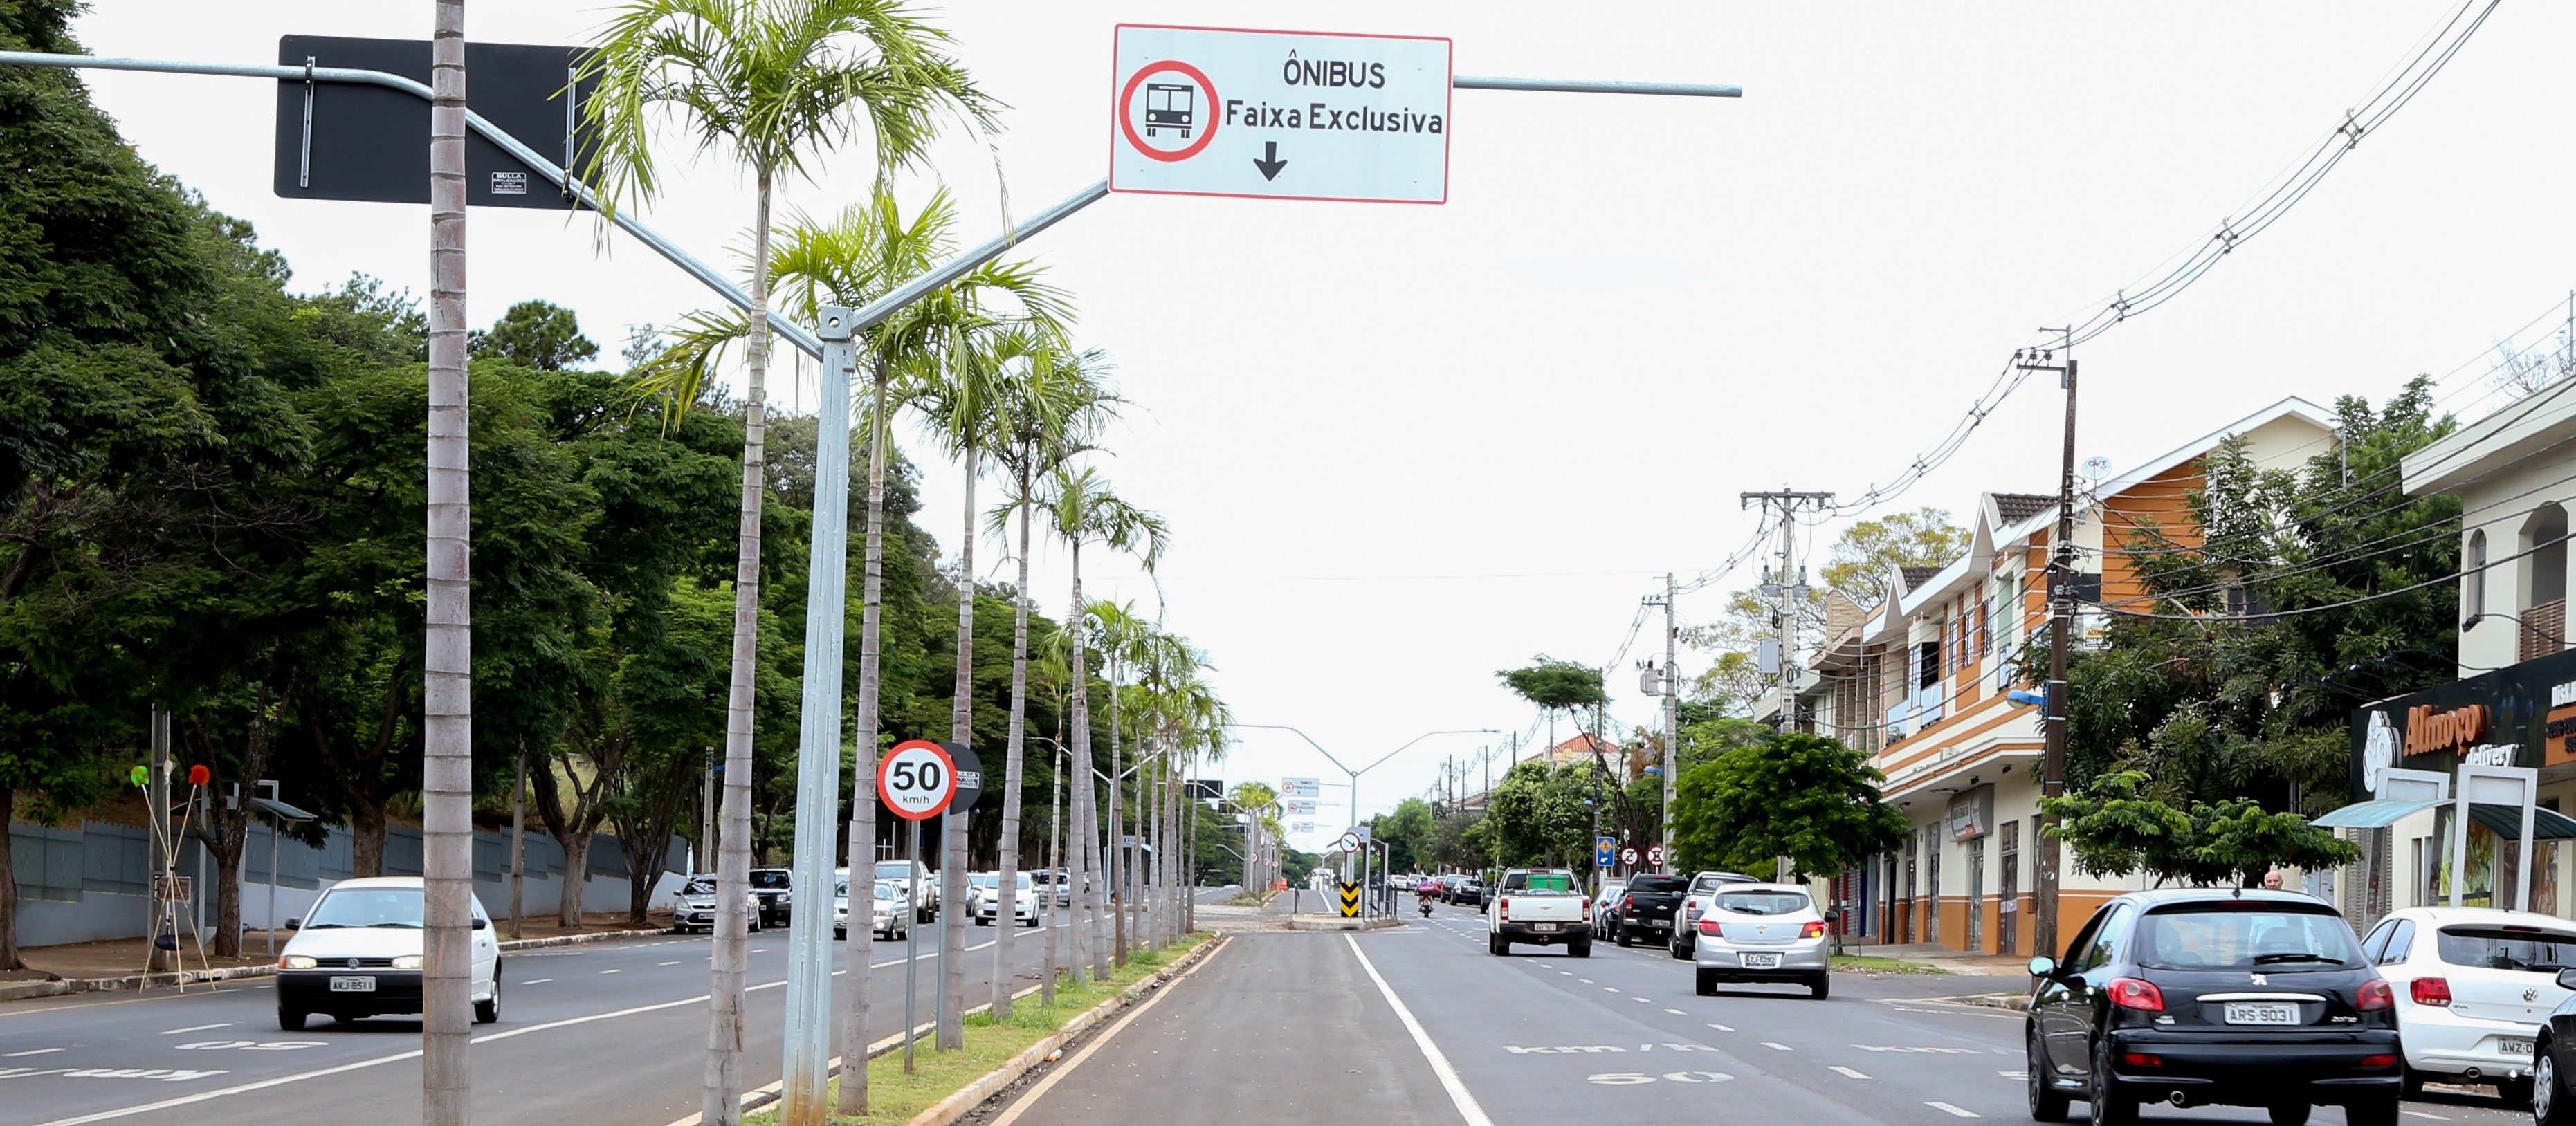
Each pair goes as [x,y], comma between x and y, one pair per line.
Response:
[2131,993]
[2142,1059]
[2375,994]
[1815,929]
[2428,990]
[1627,901]
[2379,1061]
[1587,910]
[1708,925]
[1504,906]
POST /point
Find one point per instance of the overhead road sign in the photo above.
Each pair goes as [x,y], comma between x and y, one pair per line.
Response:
[916,780]
[1280,114]
[1301,787]
[371,143]
[1299,808]
[1301,827]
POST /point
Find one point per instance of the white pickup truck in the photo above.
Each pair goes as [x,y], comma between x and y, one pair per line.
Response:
[1539,906]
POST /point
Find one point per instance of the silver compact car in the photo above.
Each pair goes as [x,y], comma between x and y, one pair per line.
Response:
[1762,932]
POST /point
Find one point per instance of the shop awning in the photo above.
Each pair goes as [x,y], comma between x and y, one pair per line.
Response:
[2505,820]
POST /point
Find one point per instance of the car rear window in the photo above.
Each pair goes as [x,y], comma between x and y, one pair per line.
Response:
[1761,902]
[1711,881]
[2507,948]
[1658,885]
[2250,936]
[1550,881]
[769,880]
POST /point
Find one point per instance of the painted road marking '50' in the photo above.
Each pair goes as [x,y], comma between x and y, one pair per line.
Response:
[1631,1078]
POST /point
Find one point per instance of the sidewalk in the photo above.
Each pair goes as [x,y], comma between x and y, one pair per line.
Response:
[1954,961]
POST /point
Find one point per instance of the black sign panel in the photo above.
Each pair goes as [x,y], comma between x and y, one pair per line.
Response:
[371,143]
[2519,715]
[970,776]
[1206,789]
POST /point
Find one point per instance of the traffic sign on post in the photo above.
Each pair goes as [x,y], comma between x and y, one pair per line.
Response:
[916,780]
[1604,850]
[1628,856]
[1280,114]
[1654,856]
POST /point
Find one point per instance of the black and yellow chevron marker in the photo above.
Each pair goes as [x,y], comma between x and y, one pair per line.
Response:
[1350,900]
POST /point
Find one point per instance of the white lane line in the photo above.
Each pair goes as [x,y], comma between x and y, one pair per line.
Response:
[2434,1117]
[612,971]
[198,1028]
[30,1052]
[1641,1000]
[1953,1111]
[1609,989]
[1723,1027]
[1587,981]
[666,963]
[1458,1095]
[1676,1012]
[1848,1073]
[2014,1074]
[1777,1046]
[538,981]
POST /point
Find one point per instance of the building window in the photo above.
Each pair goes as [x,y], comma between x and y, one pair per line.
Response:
[1927,664]
[2473,588]
[2543,612]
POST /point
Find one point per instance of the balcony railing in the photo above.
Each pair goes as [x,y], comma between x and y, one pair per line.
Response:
[2544,630]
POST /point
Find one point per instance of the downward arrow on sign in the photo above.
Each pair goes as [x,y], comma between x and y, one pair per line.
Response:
[1268,162]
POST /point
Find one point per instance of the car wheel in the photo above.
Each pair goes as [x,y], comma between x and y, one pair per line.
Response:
[2047,1103]
[2548,1098]
[2410,1085]
[489,1012]
[1581,949]
[982,921]
[1624,938]
[2515,1092]
[1683,947]
[1495,945]
[1706,986]
[840,933]
[2109,1106]
[2374,1112]
[1821,986]
[289,1020]
[2293,1114]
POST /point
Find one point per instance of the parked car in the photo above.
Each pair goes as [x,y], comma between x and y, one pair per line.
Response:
[1054,886]
[1762,933]
[1471,892]
[1449,887]
[1539,906]
[358,954]
[769,889]
[1648,906]
[2213,996]
[1686,921]
[1605,909]
[695,908]
[2473,987]
[984,900]
[916,878]
[886,915]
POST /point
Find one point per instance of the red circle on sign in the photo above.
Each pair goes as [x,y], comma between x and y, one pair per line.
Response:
[1127,123]
[911,749]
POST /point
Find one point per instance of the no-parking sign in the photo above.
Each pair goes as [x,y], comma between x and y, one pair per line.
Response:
[917,779]
[1280,114]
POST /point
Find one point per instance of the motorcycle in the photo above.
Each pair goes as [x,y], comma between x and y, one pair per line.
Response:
[1425,902]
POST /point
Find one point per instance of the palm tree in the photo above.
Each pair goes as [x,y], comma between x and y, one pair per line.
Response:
[447,666]
[1123,638]
[1058,406]
[1083,510]
[777,82]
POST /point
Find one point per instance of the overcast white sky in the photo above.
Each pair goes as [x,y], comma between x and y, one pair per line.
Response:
[1402,447]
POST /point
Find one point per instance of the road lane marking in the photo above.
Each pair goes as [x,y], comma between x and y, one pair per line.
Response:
[1848,1073]
[539,981]
[2014,1074]
[2434,1117]
[1774,1044]
[612,971]
[1954,1111]
[1676,1012]
[1641,1000]
[1587,981]
[1722,1028]
[30,1052]
[1449,1081]
[1609,989]
[199,1027]
[666,963]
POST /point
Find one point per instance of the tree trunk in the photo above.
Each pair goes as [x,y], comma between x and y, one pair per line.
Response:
[1009,858]
[576,851]
[518,836]
[856,958]
[1048,917]
[1087,853]
[366,839]
[1121,873]
[8,883]
[447,667]
[961,730]
[722,1101]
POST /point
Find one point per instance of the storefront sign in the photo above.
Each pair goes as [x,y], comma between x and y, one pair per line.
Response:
[1972,814]
[2519,715]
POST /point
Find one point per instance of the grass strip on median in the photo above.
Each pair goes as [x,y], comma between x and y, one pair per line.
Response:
[894,1097]
[1871,963]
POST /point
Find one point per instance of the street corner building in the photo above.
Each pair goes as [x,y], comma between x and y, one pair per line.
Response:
[1924,683]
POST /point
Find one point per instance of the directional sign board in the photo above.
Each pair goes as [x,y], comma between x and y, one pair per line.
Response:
[917,779]
[1301,827]
[1301,787]
[1280,114]
[1299,808]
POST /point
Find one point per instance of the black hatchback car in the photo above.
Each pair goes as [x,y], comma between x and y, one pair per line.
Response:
[2200,996]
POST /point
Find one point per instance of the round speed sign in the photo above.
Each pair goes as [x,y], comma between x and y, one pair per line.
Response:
[916,779]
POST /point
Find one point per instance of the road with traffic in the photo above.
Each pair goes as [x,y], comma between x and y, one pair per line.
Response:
[604,1034]
[1421,1025]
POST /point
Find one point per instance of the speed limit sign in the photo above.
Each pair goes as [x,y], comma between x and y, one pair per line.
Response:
[917,779]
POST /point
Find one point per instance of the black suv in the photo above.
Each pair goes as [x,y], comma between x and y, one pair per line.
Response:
[2201,996]
[769,890]
[1647,905]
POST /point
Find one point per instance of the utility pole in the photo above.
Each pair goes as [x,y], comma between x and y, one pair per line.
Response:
[1672,715]
[1786,593]
[2061,623]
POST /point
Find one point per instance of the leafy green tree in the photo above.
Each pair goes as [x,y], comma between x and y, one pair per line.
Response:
[1804,798]
[1408,834]
[2117,826]
[1865,552]
[535,334]
[1539,815]
[1556,686]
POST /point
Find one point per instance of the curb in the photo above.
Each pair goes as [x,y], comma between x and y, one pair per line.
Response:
[1328,923]
[28,990]
[948,1110]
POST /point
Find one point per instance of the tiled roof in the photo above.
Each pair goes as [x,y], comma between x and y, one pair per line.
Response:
[2017,507]
[1917,576]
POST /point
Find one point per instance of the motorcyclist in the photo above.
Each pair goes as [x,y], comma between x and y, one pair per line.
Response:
[1424,891]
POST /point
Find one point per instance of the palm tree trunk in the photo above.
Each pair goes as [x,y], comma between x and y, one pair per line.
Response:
[447,707]
[1048,915]
[1094,943]
[1159,896]
[856,957]
[1009,868]
[961,729]
[1122,873]
[722,1101]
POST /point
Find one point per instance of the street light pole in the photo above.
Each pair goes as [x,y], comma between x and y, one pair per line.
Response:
[1382,760]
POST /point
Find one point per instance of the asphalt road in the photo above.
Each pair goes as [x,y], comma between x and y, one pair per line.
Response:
[606,1034]
[1292,1028]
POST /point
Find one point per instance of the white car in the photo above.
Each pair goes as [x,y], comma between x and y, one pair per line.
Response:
[886,915]
[1761,932]
[358,954]
[1694,901]
[917,878]
[983,901]
[2473,987]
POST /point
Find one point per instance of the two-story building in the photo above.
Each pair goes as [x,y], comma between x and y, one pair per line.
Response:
[1930,681]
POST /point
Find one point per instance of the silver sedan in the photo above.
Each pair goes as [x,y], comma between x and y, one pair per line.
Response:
[1762,932]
